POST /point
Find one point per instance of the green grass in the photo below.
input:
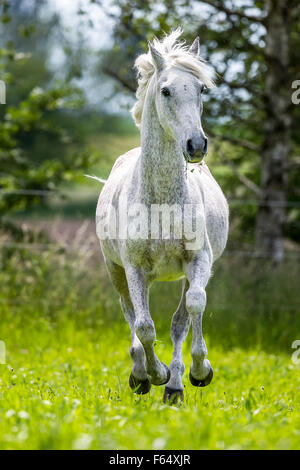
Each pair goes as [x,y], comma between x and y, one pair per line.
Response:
[65,383]
[71,391]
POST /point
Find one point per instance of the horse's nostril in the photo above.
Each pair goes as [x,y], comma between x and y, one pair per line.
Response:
[205,145]
[190,147]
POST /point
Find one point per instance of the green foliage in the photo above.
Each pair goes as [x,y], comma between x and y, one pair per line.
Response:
[18,170]
[65,384]
[237,110]
[37,150]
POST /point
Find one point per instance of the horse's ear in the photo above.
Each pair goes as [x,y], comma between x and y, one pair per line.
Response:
[195,47]
[157,58]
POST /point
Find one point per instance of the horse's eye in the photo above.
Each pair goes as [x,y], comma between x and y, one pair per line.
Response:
[202,88]
[165,91]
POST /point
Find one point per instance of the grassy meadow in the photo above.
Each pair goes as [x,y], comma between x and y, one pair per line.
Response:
[65,381]
[64,384]
[68,73]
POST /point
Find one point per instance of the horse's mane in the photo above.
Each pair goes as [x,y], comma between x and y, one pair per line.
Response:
[175,53]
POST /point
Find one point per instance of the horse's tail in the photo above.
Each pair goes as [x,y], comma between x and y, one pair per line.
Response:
[101,180]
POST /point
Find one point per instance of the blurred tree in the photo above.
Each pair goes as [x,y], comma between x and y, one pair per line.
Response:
[36,143]
[254,47]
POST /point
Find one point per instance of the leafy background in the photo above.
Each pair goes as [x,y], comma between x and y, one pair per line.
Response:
[64,383]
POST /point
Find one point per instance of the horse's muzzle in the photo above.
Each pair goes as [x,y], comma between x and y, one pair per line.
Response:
[196,149]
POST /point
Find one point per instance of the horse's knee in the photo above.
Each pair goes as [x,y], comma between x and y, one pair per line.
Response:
[199,353]
[177,367]
[136,352]
[145,331]
[195,300]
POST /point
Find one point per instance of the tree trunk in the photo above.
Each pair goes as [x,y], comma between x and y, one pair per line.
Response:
[276,145]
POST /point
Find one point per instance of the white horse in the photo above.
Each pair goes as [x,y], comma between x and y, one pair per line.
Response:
[164,173]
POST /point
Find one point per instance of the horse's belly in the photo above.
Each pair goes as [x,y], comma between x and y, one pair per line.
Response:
[170,277]
[166,261]
[167,270]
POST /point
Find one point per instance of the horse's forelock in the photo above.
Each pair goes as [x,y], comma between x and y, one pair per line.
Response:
[175,54]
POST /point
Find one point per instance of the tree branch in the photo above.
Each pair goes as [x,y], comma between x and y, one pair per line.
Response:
[112,73]
[294,164]
[295,11]
[240,142]
[246,85]
[239,13]
[243,179]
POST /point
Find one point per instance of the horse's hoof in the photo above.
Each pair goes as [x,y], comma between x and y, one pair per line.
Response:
[171,396]
[139,386]
[154,382]
[202,382]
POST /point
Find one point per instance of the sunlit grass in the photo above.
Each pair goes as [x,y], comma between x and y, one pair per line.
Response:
[65,381]
[66,387]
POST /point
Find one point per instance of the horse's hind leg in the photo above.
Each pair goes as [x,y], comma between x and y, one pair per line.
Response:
[198,273]
[179,330]
[139,380]
[144,326]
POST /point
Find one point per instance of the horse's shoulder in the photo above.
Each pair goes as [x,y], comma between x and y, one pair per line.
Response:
[206,170]
[203,175]
[202,169]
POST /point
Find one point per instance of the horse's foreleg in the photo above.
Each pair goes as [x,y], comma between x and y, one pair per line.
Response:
[198,273]
[144,326]
[179,330]
[138,380]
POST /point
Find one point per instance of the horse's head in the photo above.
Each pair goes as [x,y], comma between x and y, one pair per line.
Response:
[179,102]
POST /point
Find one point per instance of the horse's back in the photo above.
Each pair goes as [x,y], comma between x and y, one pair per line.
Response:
[118,175]
[108,201]
[125,159]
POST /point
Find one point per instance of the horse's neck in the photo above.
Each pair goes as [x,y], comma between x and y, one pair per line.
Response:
[161,165]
